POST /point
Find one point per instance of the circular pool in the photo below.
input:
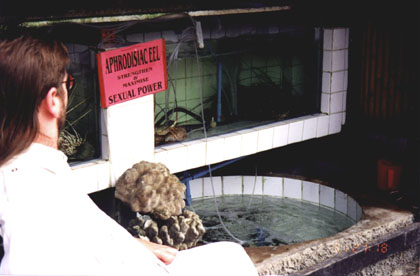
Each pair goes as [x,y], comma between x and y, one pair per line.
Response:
[270,211]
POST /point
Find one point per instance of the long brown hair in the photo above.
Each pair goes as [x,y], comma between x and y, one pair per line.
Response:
[29,66]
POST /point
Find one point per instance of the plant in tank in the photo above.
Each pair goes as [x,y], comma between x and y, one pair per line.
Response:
[70,141]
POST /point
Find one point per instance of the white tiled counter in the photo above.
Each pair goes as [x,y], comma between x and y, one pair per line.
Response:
[183,156]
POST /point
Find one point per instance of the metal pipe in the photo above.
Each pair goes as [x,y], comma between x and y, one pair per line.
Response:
[186,180]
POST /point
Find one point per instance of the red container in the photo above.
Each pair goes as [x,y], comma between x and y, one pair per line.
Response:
[389,175]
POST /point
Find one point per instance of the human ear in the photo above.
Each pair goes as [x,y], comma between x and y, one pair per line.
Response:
[52,103]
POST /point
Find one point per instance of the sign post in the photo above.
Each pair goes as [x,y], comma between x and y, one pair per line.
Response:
[132,72]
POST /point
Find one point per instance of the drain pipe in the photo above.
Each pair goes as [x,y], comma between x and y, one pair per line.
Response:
[187,177]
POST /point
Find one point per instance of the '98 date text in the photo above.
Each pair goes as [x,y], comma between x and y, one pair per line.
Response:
[380,248]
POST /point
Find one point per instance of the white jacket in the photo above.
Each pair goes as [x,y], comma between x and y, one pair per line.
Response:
[48,228]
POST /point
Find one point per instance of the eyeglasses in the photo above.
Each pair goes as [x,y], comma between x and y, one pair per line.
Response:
[70,83]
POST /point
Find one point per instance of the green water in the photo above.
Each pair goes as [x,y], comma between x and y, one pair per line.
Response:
[267,220]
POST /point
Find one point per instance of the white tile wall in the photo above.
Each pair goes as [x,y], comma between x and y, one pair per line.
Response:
[196,155]
[343,120]
[310,192]
[161,155]
[326,82]
[253,185]
[208,187]
[340,38]
[232,185]
[196,188]
[278,186]
[328,39]
[295,132]
[339,60]
[249,143]
[265,139]
[335,123]
[334,78]
[346,73]
[309,128]
[338,81]
[341,201]
[292,188]
[327,196]
[322,126]
[325,102]
[344,108]
[232,146]
[337,102]
[327,60]
[104,134]
[280,134]
[215,150]
[273,186]
[105,147]
[176,159]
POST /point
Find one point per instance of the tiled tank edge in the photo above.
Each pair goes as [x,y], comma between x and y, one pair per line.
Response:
[312,192]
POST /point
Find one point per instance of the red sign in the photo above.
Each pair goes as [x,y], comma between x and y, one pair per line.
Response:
[132,72]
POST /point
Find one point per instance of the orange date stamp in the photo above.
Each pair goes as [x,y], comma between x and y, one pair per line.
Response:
[356,247]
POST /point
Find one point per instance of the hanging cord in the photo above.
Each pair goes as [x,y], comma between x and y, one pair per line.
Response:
[205,137]
[253,190]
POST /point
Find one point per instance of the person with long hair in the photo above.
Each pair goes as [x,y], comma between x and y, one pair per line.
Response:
[22,90]
[47,227]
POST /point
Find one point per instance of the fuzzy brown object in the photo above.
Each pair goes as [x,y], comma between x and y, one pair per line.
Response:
[149,188]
